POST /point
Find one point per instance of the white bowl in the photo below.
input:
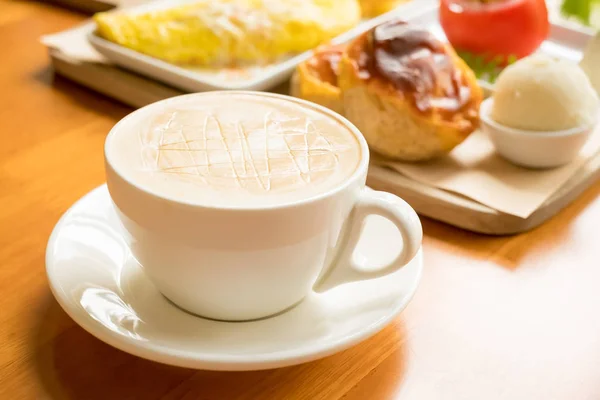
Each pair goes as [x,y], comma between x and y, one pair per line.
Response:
[533,149]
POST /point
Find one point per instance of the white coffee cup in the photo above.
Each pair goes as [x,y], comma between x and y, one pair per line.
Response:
[236,263]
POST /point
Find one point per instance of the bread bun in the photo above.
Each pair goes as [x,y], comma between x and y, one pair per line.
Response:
[316,79]
[410,95]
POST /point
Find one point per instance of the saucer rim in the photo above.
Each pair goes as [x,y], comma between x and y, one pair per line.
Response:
[197,360]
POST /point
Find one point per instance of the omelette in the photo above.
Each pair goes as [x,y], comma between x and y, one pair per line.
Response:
[226,33]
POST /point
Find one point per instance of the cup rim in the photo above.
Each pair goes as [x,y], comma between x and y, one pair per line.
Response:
[359,171]
[485,115]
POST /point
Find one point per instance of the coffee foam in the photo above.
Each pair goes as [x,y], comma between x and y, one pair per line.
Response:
[234,149]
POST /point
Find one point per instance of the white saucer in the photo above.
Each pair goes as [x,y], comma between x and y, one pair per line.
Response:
[103,289]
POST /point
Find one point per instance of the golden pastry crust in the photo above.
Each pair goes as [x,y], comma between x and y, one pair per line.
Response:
[311,82]
[390,121]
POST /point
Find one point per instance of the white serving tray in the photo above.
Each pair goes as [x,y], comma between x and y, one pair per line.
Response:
[249,78]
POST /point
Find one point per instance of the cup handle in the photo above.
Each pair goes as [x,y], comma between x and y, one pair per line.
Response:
[343,269]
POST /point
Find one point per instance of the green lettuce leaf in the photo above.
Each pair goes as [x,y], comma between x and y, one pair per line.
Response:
[579,9]
[484,68]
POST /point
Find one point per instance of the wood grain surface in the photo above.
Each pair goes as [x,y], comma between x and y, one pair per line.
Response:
[495,318]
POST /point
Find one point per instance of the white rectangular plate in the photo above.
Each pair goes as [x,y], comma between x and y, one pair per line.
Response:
[249,78]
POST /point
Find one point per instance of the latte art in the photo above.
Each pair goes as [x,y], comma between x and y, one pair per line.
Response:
[266,154]
[233,149]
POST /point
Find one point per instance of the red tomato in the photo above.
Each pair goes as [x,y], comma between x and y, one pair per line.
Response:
[495,27]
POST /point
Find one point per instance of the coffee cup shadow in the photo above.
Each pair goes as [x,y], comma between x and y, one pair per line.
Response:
[72,364]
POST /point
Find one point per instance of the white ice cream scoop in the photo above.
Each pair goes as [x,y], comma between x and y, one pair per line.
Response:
[540,93]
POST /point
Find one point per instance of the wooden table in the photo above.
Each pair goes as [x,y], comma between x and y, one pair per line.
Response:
[495,318]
